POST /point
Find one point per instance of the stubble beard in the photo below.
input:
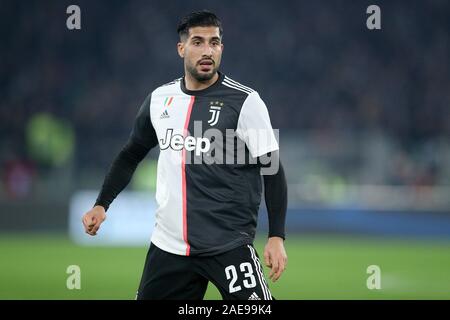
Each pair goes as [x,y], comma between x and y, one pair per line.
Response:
[201,77]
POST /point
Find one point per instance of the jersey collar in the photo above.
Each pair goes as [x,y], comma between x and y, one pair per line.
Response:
[203,91]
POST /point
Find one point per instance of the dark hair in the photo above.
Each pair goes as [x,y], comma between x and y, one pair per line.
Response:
[202,18]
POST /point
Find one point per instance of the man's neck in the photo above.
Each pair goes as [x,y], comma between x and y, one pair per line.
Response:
[193,84]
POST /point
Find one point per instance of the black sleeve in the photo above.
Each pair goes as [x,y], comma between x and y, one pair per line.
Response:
[141,140]
[275,193]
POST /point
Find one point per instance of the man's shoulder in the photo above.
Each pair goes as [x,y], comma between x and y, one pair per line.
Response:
[237,87]
[171,87]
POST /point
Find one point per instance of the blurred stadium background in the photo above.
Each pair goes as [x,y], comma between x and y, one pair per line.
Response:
[364,131]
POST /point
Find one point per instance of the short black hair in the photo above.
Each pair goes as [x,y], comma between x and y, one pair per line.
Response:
[202,18]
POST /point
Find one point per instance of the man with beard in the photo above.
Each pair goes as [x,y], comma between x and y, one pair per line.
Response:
[207,212]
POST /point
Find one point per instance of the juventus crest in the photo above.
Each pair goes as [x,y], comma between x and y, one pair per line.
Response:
[215,113]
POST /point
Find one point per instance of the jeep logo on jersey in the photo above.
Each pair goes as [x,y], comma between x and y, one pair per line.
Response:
[178,142]
[215,112]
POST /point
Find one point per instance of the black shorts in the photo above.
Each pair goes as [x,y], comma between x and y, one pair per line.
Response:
[237,274]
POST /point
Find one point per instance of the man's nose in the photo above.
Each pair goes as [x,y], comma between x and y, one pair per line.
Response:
[208,51]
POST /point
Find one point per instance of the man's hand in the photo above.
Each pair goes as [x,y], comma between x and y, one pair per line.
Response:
[93,219]
[275,257]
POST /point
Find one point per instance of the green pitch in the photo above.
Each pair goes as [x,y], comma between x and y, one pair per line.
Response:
[34,267]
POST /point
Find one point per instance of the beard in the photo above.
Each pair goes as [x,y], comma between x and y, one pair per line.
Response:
[201,77]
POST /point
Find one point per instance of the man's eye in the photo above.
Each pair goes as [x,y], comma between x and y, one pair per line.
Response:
[196,43]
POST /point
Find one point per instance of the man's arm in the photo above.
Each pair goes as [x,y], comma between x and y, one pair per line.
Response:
[121,172]
[142,139]
[275,193]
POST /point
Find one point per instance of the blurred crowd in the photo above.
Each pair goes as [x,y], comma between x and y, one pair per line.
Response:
[315,63]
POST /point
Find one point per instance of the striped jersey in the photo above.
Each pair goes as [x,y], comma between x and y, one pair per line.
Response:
[208,188]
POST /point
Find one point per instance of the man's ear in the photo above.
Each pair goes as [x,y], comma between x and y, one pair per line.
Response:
[180,48]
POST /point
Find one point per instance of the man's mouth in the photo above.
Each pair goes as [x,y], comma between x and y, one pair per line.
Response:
[206,62]
[206,65]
